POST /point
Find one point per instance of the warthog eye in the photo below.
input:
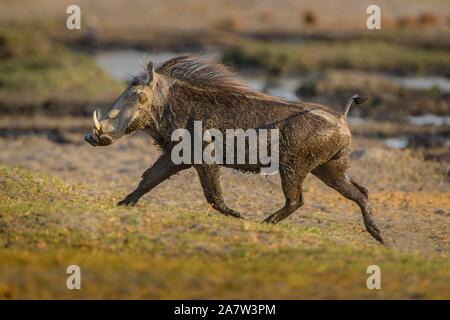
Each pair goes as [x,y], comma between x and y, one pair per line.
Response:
[135,81]
[142,97]
[113,113]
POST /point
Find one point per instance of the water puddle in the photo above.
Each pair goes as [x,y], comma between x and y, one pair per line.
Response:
[124,64]
[283,87]
[424,83]
[429,120]
[397,142]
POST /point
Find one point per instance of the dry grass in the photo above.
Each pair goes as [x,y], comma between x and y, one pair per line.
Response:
[154,16]
[372,55]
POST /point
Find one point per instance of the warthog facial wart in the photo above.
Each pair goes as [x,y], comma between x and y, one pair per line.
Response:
[186,91]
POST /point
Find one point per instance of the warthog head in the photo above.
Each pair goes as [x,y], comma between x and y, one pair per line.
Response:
[127,114]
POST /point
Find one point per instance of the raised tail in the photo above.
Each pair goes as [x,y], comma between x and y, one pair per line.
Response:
[356,99]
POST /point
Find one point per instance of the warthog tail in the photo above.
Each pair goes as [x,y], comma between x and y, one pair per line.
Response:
[356,99]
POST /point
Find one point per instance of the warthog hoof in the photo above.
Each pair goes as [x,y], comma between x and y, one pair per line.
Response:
[375,232]
[274,219]
[127,202]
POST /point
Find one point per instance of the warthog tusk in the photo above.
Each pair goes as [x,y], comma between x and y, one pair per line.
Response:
[94,136]
[97,125]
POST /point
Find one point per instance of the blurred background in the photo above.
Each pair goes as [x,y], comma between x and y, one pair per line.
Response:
[300,50]
[52,78]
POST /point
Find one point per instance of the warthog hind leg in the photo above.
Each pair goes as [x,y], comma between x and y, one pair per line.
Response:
[161,170]
[335,175]
[210,179]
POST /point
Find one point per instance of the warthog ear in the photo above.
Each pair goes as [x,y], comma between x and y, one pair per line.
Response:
[150,73]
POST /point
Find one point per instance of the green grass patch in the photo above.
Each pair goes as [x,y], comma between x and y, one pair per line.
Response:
[142,252]
[373,55]
[34,69]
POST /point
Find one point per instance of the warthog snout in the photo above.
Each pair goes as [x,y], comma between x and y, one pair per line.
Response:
[98,137]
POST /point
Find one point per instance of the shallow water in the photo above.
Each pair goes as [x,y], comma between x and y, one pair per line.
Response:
[124,64]
[424,83]
[397,142]
[283,87]
[429,119]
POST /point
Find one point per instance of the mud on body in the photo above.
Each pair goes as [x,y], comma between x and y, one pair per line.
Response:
[312,138]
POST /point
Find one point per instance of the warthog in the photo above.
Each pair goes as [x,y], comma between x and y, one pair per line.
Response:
[312,138]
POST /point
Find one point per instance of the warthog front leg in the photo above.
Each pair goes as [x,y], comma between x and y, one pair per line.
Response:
[161,170]
[210,179]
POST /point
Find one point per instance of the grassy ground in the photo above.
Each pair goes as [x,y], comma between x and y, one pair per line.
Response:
[35,70]
[373,55]
[47,224]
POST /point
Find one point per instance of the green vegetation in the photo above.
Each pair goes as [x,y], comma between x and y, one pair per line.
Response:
[368,55]
[33,69]
[46,224]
